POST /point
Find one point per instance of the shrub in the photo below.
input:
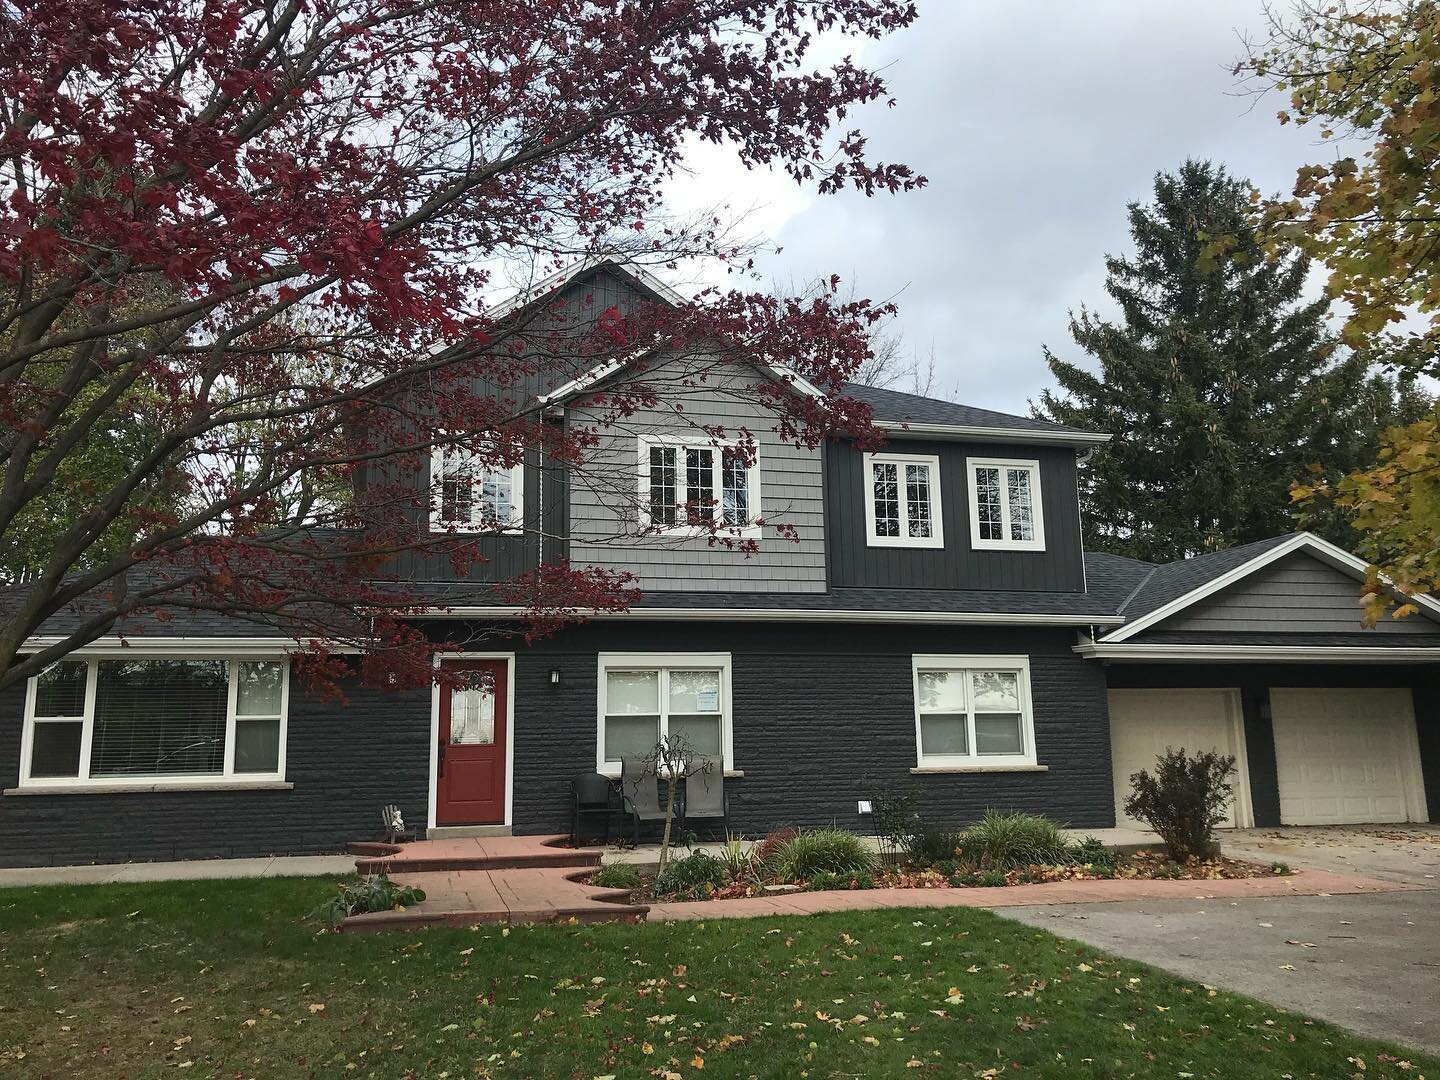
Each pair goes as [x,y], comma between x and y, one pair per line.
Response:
[991,879]
[828,880]
[1184,800]
[765,851]
[738,857]
[376,893]
[1280,868]
[617,876]
[809,853]
[1007,840]
[932,844]
[1091,852]
[694,876]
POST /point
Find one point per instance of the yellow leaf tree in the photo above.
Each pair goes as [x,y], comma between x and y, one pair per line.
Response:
[1366,76]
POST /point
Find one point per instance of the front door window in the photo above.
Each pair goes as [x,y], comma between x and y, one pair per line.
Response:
[472,717]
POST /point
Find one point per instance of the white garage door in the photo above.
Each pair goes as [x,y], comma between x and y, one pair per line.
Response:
[1144,723]
[1347,756]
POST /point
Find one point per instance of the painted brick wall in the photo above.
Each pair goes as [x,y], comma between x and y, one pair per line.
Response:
[345,760]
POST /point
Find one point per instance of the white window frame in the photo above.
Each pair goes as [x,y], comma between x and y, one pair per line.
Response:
[476,523]
[1020,665]
[936,539]
[681,443]
[663,662]
[227,778]
[1036,513]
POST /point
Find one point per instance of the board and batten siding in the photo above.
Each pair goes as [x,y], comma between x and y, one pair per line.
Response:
[604,492]
[1059,568]
[1296,594]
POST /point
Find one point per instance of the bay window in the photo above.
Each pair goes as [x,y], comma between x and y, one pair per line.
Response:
[973,711]
[645,697]
[155,720]
[692,485]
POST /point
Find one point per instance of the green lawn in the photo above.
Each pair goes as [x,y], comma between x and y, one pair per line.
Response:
[227,979]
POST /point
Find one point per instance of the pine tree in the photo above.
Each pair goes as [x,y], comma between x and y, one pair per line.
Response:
[1221,384]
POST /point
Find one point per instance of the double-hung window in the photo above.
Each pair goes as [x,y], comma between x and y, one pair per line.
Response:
[155,720]
[1005,504]
[973,711]
[471,496]
[644,697]
[902,501]
[694,485]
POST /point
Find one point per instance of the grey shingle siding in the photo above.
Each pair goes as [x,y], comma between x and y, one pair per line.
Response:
[1170,581]
[1295,594]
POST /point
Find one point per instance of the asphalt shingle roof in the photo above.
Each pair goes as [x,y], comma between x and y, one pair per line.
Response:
[894,406]
[1170,581]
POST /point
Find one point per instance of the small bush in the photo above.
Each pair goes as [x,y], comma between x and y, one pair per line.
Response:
[694,876]
[809,853]
[1170,870]
[944,866]
[738,857]
[765,851]
[617,876]
[991,879]
[1091,852]
[1280,868]
[828,880]
[1008,840]
[376,893]
[964,879]
[1184,800]
[930,845]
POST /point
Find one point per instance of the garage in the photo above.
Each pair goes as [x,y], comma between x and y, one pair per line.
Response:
[1144,723]
[1347,756]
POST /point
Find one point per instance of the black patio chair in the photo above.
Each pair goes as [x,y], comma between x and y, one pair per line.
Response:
[640,794]
[592,796]
[705,798]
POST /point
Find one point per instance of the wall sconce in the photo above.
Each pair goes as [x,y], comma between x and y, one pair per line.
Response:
[554,676]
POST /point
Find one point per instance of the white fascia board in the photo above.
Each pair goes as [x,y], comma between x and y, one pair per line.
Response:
[1312,654]
[145,645]
[974,433]
[1301,542]
[560,278]
[789,615]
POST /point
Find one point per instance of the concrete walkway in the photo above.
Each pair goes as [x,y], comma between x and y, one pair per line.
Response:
[188,870]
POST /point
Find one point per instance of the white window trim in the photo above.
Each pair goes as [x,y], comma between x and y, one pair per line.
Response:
[1037,516]
[514,527]
[624,661]
[936,539]
[681,442]
[228,778]
[973,760]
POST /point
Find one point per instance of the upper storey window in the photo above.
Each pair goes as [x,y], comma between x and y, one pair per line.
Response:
[902,501]
[693,484]
[1005,504]
[473,496]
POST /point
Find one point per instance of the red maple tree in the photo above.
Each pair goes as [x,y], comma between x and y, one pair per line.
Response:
[246,232]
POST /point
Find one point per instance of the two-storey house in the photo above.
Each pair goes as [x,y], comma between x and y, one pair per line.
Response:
[921,614]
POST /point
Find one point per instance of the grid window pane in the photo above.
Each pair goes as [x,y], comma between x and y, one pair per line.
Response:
[998,733]
[700,484]
[632,692]
[885,480]
[160,718]
[694,692]
[1022,521]
[664,500]
[60,689]
[701,733]
[257,746]
[457,487]
[917,500]
[987,503]
[735,478]
[258,688]
[943,734]
[997,691]
[497,497]
[55,749]
[630,736]
[942,691]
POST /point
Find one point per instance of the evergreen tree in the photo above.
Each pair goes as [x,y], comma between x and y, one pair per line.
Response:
[1221,385]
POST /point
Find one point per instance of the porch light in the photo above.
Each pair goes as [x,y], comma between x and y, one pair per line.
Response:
[554,676]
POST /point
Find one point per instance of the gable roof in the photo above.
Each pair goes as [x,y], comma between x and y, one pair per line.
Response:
[636,276]
[1112,578]
[1173,587]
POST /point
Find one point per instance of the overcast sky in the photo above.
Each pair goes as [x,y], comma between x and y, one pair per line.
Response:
[1036,123]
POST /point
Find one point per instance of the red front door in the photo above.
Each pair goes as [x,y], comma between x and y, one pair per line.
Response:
[471,776]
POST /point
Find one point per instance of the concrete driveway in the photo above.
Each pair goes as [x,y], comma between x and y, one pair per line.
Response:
[1369,962]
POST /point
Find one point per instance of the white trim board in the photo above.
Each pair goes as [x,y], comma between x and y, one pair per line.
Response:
[509,658]
[979,433]
[1259,654]
[922,618]
[1308,543]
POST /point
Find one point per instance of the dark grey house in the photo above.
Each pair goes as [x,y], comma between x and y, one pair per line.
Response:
[933,620]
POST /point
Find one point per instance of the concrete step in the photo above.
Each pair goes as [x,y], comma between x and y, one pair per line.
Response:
[456,832]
